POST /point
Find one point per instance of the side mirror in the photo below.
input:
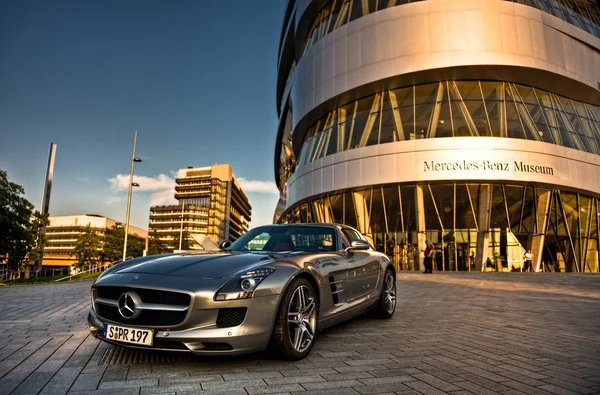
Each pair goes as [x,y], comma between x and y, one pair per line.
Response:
[356,245]
[224,244]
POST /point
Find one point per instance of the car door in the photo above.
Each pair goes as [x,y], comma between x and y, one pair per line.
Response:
[363,269]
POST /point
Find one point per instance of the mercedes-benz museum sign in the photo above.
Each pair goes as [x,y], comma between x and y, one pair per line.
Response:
[474,125]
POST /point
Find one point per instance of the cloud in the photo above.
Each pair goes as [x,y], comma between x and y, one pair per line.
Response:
[163,198]
[161,186]
[257,186]
[162,182]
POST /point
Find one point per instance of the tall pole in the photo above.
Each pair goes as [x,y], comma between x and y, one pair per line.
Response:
[129,195]
[181,229]
[47,190]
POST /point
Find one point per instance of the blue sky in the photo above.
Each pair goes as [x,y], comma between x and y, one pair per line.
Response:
[195,78]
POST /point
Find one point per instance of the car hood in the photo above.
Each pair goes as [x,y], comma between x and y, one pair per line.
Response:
[208,266]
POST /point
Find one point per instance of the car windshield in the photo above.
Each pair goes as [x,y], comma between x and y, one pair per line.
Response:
[287,238]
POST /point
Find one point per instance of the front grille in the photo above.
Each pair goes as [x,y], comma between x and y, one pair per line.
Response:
[149,318]
[217,346]
[231,317]
[147,295]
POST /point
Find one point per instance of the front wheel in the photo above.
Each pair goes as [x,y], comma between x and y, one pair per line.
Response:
[386,305]
[295,328]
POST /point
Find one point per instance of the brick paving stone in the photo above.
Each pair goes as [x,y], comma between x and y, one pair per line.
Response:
[570,386]
[330,384]
[86,382]
[435,382]
[382,388]
[332,391]
[295,379]
[347,376]
[424,388]
[272,389]
[557,390]
[127,384]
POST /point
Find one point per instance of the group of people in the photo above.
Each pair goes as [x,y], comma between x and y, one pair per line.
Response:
[430,248]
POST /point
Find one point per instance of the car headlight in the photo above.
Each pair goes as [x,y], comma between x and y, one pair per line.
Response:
[243,286]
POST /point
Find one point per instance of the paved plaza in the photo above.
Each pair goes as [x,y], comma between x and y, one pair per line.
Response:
[458,333]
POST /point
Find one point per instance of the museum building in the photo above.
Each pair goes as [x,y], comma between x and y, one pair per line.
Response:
[473,124]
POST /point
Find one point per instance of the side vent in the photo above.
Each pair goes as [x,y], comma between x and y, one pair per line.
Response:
[336,287]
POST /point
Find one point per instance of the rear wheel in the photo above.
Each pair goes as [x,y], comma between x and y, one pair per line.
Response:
[386,305]
[296,322]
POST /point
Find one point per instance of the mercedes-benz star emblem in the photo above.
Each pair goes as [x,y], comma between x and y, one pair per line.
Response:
[128,303]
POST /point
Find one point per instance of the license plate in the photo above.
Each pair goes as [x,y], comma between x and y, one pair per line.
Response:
[128,335]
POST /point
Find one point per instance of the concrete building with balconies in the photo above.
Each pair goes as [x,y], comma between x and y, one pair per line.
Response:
[63,231]
[474,124]
[211,203]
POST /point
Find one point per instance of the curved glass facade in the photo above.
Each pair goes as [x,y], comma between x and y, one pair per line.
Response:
[455,109]
[585,14]
[463,220]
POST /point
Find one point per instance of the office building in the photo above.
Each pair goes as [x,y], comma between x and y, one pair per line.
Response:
[211,203]
[63,231]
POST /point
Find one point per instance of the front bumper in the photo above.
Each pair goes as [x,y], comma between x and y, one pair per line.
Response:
[251,336]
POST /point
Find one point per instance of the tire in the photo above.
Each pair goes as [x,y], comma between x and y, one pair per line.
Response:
[386,305]
[292,339]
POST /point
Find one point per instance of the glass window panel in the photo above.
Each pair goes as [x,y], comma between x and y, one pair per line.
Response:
[492,90]
[409,214]
[362,204]
[392,208]
[569,201]
[333,143]
[514,202]
[426,93]
[357,10]
[477,192]
[423,119]
[528,224]
[585,210]
[461,120]
[494,115]
[404,96]
[498,211]
[443,127]
[513,123]
[476,110]
[376,212]
[432,221]
[526,94]
[349,212]
[408,123]
[358,129]
[388,128]
[444,200]
[469,90]
[465,217]
[303,213]
[337,208]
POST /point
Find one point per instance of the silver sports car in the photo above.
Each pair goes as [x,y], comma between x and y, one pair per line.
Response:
[275,287]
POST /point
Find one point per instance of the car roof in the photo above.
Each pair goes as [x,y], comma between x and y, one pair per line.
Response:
[322,225]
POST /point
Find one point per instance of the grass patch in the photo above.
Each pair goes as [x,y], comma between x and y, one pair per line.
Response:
[50,279]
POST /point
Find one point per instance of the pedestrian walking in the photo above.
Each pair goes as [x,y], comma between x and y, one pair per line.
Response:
[428,261]
[528,259]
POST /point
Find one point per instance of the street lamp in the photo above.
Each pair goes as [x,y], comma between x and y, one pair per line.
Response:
[131,185]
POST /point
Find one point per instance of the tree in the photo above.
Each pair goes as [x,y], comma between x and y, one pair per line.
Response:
[156,245]
[114,240]
[21,238]
[88,247]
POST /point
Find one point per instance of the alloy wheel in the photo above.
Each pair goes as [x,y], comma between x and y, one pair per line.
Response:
[302,318]
[389,293]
